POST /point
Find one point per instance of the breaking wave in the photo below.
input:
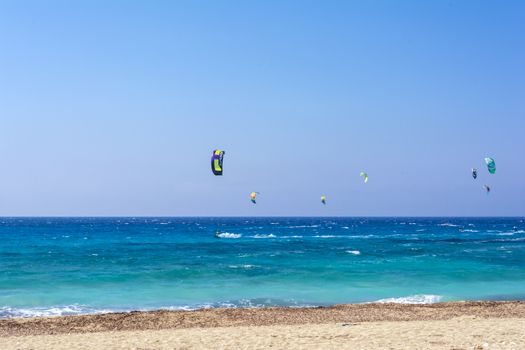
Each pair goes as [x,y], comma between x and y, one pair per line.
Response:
[9,312]
[353,252]
[229,235]
[264,236]
[413,299]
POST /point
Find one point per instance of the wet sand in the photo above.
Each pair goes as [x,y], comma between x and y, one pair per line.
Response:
[458,325]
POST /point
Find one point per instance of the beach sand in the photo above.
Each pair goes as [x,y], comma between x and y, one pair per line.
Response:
[459,325]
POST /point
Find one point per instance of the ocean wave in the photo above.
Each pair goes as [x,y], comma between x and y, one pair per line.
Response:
[448,225]
[245,266]
[264,236]
[253,303]
[413,299]
[68,310]
[503,240]
[365,236]
[229,235]
[239,303]
[511,233]
[353,252]
[468,230]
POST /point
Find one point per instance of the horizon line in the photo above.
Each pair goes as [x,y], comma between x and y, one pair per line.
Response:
[240,216]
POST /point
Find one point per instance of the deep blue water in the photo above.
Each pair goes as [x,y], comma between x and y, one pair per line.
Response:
[81,265]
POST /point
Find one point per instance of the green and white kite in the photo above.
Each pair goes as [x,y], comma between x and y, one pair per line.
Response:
[491,165]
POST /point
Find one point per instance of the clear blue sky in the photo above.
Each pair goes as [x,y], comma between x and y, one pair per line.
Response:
[114,107]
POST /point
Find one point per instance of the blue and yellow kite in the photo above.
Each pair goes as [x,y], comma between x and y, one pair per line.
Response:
[216,161]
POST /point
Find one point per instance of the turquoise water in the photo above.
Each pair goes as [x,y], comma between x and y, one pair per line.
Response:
[52,266]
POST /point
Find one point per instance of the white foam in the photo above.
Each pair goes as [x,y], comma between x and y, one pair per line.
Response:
[9,312]
[229,235]
[264,236]
[468,230]
[246,266]
[413,299]
[519,239]
[448,225]
[354,252]
[362,236]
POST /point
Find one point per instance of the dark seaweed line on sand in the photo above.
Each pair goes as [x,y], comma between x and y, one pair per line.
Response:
[348,313]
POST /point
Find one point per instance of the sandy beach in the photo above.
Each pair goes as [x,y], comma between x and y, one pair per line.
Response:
[458,325]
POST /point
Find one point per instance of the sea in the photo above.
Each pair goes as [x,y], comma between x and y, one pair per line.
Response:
[69,266]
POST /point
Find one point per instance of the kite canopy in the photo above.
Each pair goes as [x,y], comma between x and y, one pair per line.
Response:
[323,199]
[216,161]
[364,176]
[486,188]
[474,173]
[253,197]
[491,165]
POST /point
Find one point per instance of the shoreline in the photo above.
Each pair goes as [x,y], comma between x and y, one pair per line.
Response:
[255,317]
